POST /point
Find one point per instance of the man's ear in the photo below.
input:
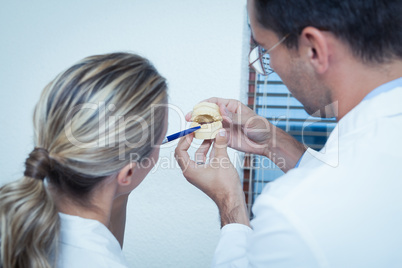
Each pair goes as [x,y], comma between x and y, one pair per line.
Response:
[318,50]
[126,175]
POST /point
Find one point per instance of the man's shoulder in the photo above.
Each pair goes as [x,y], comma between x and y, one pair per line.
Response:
[296,180]
[357,147]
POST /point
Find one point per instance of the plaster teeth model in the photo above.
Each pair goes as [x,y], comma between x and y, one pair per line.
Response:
[206,115]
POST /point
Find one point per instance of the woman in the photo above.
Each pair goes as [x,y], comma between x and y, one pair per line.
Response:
[94,125]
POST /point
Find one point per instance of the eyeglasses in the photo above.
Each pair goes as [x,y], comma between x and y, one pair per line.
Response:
[259,58]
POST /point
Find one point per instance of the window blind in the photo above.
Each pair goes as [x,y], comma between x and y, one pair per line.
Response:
[270,98]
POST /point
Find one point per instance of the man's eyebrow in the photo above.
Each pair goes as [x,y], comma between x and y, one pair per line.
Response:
[254,41]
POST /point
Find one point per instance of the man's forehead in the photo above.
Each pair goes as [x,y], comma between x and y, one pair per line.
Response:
[254,26]
[250,18]
[261,36]
[255,42]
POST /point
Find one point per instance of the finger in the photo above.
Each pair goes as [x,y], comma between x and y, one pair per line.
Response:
[201,153]
[230,104]
[221,143]
[181,154]
[218,101]
[237,117]
[212,154]
[188,116]
[232,111]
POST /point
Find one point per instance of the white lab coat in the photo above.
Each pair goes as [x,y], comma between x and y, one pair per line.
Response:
[86,243]
[338,209]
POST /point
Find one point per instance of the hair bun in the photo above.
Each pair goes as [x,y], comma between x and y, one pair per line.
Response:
[37,164]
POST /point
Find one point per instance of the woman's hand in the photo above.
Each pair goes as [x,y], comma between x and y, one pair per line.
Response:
[218,178]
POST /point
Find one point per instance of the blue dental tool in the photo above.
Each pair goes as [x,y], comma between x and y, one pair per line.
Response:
[180,134]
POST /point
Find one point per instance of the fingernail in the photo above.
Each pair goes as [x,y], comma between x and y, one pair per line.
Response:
[222,132]
[199,158]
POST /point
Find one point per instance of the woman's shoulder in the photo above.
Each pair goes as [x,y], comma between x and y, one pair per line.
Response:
[87,243]
[78,257]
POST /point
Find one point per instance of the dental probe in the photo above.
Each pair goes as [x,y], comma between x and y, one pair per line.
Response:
[180,134]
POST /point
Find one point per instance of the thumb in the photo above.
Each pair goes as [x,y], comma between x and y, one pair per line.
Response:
[221,143]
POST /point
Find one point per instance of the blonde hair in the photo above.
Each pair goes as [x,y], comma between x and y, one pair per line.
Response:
[89,123]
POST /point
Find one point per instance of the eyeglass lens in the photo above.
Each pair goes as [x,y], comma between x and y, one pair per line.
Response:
[258,62]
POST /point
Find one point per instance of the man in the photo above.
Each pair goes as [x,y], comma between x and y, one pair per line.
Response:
[338,208]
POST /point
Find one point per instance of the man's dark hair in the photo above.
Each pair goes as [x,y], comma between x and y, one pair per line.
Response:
[372,28]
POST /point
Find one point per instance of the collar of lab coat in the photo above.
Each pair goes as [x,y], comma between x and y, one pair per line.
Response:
[382,105]
[385,104]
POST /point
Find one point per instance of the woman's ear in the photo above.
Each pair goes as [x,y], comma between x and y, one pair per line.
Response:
[318,50]
[126,175]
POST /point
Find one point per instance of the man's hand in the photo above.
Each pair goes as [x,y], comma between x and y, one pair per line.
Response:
[251,133]
[247,131]
[218,178]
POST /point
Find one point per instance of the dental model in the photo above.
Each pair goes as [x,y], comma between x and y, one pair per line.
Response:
[206,115]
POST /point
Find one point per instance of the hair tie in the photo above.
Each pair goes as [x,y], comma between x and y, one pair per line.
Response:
[37,165]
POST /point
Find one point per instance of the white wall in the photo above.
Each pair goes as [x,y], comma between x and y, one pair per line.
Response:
[199,46]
